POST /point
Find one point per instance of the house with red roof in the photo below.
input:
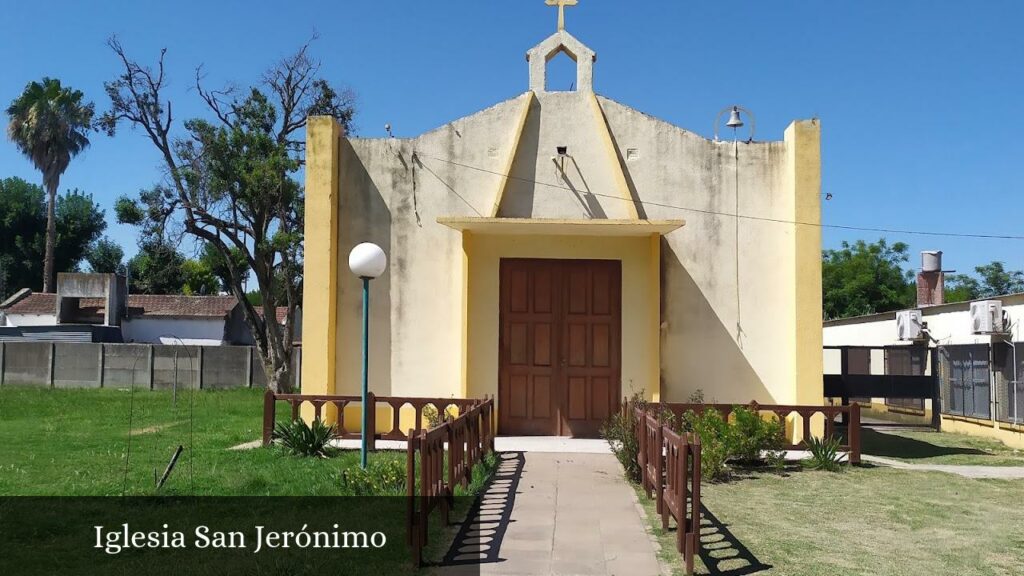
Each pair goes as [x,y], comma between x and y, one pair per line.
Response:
[79,312]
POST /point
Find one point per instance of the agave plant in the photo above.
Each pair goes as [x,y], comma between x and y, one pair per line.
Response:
[824,454]
[301,439]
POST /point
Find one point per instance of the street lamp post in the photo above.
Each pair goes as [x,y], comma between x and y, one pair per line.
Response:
[367,261]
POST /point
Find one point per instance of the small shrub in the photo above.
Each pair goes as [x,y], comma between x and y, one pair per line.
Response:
[824,454]
[435,418]
[381,478]
[755,439]
[716,441]
[301,439]
[620,432]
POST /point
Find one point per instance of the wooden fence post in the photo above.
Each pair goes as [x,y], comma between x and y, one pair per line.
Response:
[853,433]
[269,415]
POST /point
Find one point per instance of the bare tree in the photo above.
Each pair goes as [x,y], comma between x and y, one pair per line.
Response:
[230,180]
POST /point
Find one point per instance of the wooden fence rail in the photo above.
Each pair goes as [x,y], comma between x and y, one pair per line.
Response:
[462,442]
[342,430]
[682,485]
[670,473]
[850,414]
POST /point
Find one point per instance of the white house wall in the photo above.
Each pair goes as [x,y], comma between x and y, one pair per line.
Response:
[208,332]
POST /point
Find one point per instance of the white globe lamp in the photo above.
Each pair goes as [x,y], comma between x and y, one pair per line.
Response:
[367,260]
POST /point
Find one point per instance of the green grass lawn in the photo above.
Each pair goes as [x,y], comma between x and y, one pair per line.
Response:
[876,521]
[919,447]
[76,442]
[111,442]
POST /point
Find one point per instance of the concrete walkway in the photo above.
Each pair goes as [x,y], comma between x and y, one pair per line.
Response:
[556,514]
[967,471]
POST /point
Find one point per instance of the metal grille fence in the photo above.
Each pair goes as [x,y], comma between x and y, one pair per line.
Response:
[906,361]
[1009,381]
[966,380]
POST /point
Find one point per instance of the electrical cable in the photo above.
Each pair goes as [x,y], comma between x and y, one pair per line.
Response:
[726,214]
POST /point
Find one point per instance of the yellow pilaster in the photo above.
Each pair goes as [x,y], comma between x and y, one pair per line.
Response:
[510,158]
[320,280]
[621,184]
[803,147]
[467,243]
[654,313]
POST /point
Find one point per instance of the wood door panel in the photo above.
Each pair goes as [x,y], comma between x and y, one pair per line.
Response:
[577,345]
[577,398]
[543,291]
[560,332]
[542,397]
[517,344]
[592,345]
[600,400]
[601,352]
[542,344]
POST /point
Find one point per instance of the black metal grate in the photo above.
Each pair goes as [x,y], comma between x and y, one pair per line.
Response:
[966,380]
[906,361]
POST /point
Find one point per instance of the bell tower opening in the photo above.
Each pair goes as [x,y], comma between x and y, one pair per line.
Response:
[561,63]
[560,74]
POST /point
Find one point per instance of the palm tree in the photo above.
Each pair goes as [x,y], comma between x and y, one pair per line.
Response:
[49,124]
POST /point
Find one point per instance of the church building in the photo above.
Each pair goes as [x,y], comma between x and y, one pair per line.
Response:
[560,251]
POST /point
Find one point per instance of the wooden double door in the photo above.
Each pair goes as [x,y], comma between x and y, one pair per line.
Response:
[560,346]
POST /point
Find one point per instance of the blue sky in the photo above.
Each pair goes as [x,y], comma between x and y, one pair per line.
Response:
[918,99]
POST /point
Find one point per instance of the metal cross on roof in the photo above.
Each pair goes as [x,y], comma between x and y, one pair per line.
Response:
[561,9]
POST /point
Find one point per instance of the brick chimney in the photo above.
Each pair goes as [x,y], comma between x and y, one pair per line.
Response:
[931,280]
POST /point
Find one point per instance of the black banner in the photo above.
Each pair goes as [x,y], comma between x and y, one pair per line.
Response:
[215,536]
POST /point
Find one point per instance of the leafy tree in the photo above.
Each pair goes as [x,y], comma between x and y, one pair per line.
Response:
[49,124]
[212,259]
[106,256]
[156,269]
[995,280]
[79,223]
[863,278]
[231,179]
[198,279]
[961,288]
[21,242]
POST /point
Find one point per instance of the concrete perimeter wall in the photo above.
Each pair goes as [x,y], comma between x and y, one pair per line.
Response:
[149,366]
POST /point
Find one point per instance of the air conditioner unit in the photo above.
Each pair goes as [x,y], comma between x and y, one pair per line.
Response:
[908,325]
[987,317]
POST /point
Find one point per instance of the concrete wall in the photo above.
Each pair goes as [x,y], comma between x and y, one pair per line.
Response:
[126,365]
[144,366]
[77,365]
[223,365]
[27,363]
[176,366]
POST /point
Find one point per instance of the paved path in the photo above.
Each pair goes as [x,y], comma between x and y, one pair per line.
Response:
[1004,472]
[570,514]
